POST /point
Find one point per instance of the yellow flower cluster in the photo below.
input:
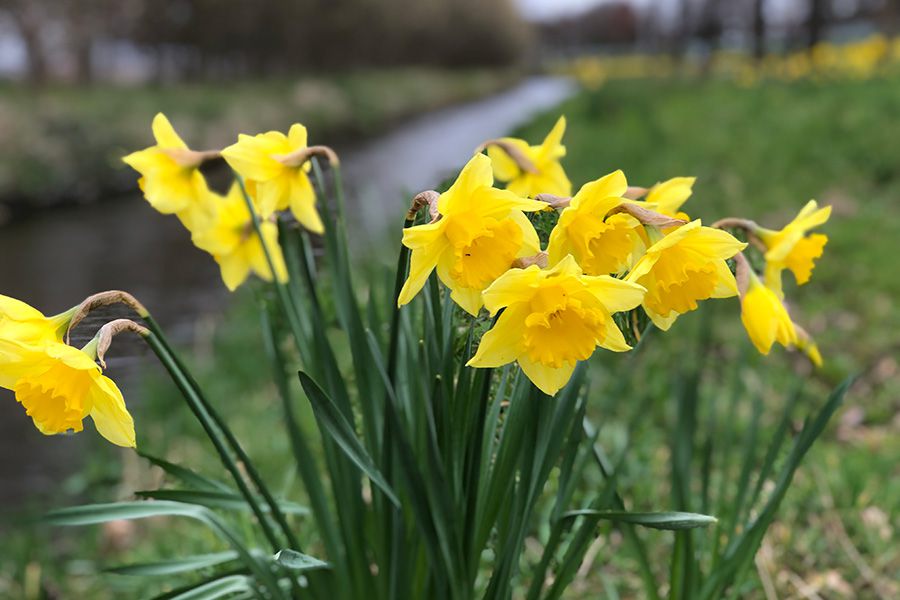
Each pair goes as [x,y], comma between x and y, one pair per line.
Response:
[862,59]
[274,168]
[57,384]
[613,248]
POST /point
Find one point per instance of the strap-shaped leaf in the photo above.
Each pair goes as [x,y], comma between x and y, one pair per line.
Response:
[174,566]
[217,499]
[217,588]
[297,561]
[671,521]
[337,427]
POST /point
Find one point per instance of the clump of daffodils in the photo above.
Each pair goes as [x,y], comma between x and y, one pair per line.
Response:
[614,249]
[238,229]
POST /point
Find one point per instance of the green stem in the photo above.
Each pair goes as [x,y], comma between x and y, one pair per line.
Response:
[197,405]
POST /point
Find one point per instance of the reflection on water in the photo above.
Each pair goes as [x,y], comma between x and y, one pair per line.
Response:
[56,259]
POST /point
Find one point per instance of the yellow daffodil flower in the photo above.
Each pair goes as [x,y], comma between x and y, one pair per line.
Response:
[765,317]
[600,242]
[480,232]
[170,177]
[59,386]
[541,173]
[685,266]
[668,196]
[791,247]
[28,327]
[232,241]
[552,319]
[269,160]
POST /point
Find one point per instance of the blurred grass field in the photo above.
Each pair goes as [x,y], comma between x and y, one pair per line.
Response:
[758,152]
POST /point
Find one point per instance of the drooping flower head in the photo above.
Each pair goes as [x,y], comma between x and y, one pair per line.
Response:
[793,247]
[170,175]
[601,243]
[765,317]
[532,170]
[667,197]
[232,241]
[480,232]
[274,165]
[553,318]
[28,326]
[59,386]
[685,266]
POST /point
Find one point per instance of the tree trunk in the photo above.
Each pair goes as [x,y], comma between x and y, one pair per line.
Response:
[759,29]
[816,21]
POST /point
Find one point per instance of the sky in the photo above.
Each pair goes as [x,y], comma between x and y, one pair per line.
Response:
[548,9]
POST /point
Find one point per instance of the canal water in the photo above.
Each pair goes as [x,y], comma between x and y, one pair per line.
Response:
[56,259]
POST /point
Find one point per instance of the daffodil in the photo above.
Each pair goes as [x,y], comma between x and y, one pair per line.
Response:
[602,243]
[59,386]
[553,318]
[28,327]
[232,241]
[765,317]
[667,197]
[532,170]
[793,247]
[274,165]
[170,175]
[480,231]
[685,266]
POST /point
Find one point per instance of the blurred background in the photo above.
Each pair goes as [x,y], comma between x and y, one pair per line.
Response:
[769,102]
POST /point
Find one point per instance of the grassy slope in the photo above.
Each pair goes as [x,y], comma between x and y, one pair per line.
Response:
[762,153]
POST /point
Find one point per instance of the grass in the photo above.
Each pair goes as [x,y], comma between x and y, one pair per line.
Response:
[761,153]
[69,139]
[758,152]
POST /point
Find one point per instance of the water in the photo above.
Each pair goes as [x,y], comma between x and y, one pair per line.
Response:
[55,260]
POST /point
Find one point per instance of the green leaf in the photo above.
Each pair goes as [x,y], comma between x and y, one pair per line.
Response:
[216,499]
[297,561]
[671,521]
[337,427]
[217,588]
[175,565]
[186,475]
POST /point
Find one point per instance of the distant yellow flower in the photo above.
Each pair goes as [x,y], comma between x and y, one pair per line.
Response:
[170,177]
[791,247]
[232,241]
[668,196]
[685,266]
[59,386]
[765,317]
[552,319]
[268,160]
[545,176]
[600,242]
[481,231]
